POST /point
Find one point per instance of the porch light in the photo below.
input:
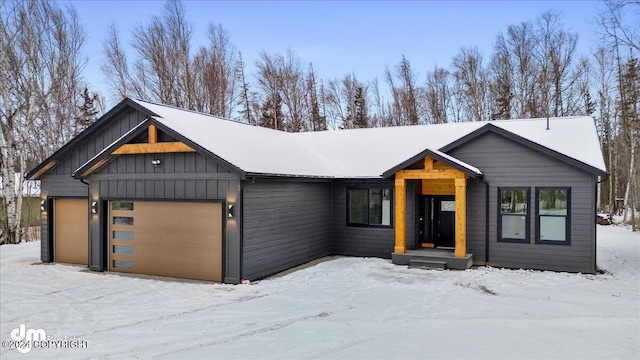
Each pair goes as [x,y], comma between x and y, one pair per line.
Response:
[231,210]
[43,205]
[94,207]
[156,162]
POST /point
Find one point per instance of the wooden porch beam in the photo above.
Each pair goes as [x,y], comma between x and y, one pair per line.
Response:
[162,147]
[401,205]
[432,174]
[461,218]
[428,163]
[153,134]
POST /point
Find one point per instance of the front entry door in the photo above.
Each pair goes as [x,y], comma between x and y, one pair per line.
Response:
[437,220]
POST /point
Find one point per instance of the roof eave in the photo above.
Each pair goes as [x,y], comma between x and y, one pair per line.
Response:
[51,161]
[526,142]
[427,152]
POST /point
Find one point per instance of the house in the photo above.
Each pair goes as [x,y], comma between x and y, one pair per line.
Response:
[154,189]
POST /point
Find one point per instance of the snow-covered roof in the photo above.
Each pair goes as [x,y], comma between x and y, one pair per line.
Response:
[361,153]
[31,187]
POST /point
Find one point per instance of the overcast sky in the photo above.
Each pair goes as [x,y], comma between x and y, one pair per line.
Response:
[340,37]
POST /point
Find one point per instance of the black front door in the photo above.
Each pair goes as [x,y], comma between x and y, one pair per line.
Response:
[437,220]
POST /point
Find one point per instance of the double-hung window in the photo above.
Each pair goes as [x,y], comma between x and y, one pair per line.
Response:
[513,215]
[553,215]
[369,207]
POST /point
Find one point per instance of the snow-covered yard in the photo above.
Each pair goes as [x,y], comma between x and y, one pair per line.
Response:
[340,309]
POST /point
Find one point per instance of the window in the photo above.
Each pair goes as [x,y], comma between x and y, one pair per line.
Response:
[369,207]
[552,218]
[513,216]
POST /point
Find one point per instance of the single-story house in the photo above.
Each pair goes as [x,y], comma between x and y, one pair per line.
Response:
[154,189]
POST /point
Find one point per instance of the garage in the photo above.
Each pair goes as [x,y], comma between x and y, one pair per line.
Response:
[71,231]
[177,239]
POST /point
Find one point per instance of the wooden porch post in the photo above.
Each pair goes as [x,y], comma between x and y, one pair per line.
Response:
[461,218]
[400,196]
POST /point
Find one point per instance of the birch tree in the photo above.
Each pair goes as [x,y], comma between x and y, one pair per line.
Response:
[40,85]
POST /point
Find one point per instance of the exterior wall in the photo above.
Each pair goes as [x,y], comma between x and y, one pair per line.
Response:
[506,163]
[56,186]
[476,220]
[364,241]
[180,177]
[102,138]
[285,224]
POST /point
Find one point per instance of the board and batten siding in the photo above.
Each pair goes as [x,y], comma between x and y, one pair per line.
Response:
[362,240]
[506,163]
[179,177]
[105,136]
[285,224]
[56,187]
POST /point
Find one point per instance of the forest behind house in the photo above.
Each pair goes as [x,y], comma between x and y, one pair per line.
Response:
[533,71]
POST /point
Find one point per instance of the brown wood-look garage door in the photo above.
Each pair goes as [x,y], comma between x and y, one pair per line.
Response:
[71,231]
[166,238]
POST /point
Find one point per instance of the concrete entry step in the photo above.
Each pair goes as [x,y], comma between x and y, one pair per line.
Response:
[427,264]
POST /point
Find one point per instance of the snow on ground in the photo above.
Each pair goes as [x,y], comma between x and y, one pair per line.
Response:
[347,308]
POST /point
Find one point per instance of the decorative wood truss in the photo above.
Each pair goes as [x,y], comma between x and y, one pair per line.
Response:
[437,179]
[153,146]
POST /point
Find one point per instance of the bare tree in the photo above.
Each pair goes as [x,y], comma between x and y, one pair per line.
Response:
[218,72]
[437,96]
[471,77]
[341,100]
[501,84]
[404,94]
[618,22]
[115,66]
[40,86]
[604,84]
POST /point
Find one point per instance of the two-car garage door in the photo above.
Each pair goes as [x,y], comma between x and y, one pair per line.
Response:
[176,239]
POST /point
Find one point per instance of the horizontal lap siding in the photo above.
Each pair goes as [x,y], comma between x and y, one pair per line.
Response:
[506,163]
[355,240]
[285,224]
[476,220]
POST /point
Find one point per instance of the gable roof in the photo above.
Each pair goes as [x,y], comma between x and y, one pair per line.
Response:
[457,164]
[67,148]
[354,153]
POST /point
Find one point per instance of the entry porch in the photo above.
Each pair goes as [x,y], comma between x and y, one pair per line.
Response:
[431,201]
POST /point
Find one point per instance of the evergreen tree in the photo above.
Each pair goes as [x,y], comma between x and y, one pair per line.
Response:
[361,118]
[318,122]
[87,111]
[272,113]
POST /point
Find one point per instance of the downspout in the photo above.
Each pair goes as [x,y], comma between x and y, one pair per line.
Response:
[486,227]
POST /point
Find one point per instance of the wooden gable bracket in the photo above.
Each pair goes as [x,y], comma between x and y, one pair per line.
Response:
[437,173]
[153,146]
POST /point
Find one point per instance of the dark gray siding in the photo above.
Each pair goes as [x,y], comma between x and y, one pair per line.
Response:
[506,163]
[56,186]
[355,240]
[45,247]
[285,224]
[116,127]
[476,220]
[181,177]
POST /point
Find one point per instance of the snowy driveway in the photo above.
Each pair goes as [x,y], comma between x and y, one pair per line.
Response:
[348,308]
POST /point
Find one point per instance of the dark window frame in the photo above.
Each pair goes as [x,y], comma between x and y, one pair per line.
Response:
[567,241]
[527,237]
[368,189]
